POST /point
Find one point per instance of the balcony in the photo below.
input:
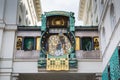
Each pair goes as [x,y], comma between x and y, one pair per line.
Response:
[90,32]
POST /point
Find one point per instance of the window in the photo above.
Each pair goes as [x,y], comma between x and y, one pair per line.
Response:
[97,20]
[103,38]
[26,12]
[96,43]
[19,43]
[21,6]
[112,16]
[29,22]
[20,20]
[26,21]
[77,43]
[86,43]
[28,43]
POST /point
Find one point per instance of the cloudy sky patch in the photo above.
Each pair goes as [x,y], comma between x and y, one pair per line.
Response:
[61,5]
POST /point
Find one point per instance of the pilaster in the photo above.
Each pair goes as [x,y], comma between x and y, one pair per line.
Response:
[5,76]
[15,76]
[1,35]
[8,27]
[2,8]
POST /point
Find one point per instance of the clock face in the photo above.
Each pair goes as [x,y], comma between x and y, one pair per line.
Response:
[59,45]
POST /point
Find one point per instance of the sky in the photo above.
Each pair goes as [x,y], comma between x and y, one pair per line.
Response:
[62,5]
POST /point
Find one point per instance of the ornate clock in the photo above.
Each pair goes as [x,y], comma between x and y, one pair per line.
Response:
[57,41]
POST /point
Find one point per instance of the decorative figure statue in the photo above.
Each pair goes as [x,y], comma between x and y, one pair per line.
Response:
[88,46]
[29,45]
[19,44]
[60,49]
[96,44]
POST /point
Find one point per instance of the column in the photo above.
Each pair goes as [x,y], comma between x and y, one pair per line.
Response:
[1,36]
[6,55]
[2,6]
[5,76]
[8,27]
[2,24]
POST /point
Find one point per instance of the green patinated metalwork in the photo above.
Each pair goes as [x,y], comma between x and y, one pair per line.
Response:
[73,60]
[114,68]
[63,13]
[72,22]
[105,74]
[71,29]
[43,27]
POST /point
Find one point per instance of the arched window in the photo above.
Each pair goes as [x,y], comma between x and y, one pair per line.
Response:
[21,5]
[26,21]
[112,15]
[103,38]
[20,20]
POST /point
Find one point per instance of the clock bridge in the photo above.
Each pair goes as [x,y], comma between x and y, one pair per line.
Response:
[57,41]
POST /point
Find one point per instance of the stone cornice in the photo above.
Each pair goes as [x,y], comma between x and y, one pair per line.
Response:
[11,27]
[2,26]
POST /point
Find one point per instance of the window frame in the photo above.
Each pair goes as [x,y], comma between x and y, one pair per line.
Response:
[33,47]
[82,42]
